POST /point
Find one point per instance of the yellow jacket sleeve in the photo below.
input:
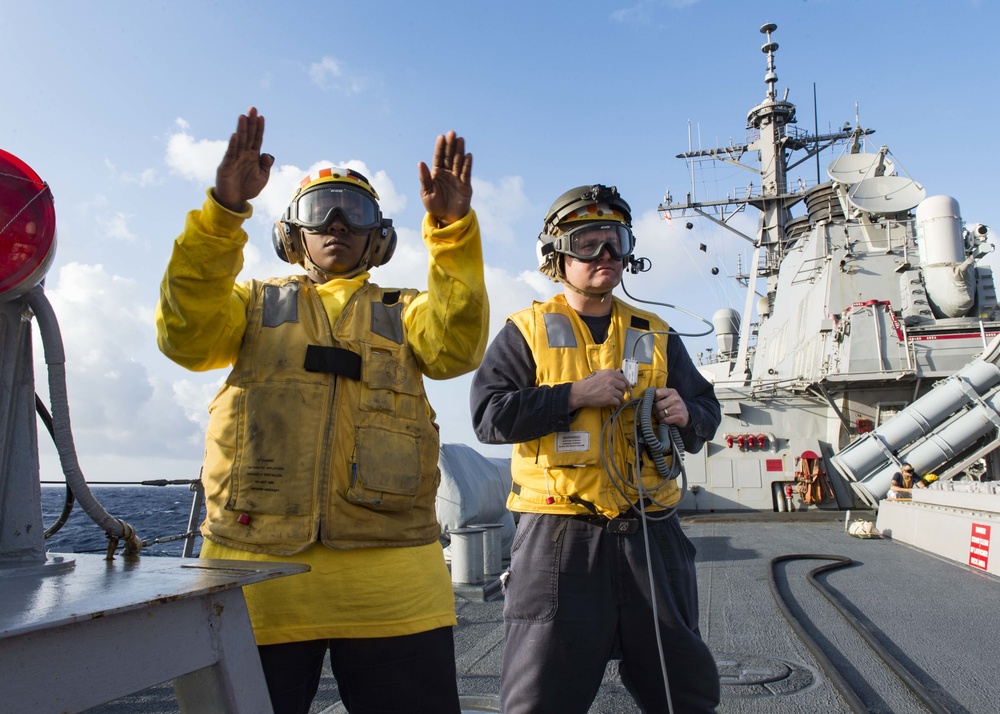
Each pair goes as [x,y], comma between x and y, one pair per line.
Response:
[449,323]
[201,316]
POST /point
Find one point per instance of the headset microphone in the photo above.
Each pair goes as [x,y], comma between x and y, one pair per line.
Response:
[638,265]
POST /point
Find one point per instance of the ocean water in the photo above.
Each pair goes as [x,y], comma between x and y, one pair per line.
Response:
[156,512]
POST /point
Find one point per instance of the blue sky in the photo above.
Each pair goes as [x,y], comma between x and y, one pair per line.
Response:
[124,107]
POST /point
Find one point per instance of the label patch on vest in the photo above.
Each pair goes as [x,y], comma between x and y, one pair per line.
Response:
[395,372]
[567,441]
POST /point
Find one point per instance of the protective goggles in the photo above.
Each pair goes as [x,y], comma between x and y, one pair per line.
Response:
[316,209]
[586,242]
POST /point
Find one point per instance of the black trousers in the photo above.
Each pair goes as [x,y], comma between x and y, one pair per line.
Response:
[411,674]
[578,596]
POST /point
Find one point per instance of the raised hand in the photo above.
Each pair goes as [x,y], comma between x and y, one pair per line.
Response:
[446,190]
[244,171]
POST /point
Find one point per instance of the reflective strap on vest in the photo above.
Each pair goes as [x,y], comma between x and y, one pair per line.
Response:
[281,304]
[387,319]
[638,346]
[558,330]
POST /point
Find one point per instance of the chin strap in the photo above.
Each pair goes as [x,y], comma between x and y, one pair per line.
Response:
[311,267]
[593,296]
[327,276]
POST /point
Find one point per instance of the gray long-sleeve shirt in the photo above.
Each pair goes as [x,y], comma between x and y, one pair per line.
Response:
[508,407]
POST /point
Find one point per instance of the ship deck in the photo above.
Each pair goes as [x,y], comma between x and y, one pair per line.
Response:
[938,618]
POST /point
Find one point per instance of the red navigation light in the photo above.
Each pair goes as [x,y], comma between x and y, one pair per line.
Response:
[27,227]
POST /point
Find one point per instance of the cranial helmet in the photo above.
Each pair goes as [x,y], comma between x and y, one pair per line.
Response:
[323,197]
[581,223]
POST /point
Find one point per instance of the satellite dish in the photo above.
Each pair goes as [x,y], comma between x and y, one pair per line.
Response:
[851,168]
[886,194]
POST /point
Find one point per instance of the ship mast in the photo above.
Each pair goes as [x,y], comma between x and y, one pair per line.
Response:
[774,141]
[769,120]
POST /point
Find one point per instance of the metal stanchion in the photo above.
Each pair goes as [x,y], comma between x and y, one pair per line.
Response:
[492,549]
[467,555]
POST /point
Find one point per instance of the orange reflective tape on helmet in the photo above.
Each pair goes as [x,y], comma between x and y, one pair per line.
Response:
[595,212]
[334,174]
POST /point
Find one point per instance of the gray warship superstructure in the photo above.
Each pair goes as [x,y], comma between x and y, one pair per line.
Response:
[861,295]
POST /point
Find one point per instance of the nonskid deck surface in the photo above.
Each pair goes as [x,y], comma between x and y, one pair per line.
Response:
[936,617]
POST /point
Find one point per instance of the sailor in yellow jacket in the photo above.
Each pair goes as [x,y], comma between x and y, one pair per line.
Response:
[600,567]
[321,446]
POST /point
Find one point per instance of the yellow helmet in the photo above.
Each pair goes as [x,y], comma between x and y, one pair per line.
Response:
[328,195]
[575,218]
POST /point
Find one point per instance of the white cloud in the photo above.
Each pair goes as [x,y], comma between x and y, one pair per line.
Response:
[116,227]
[146,177]
[634,12]
[326,68]
[642,10]
[194,396]
[272,201]
[330,74]
[409,263]
[498,205]
[116,405]
[390,199]
[541,284]
[191,159]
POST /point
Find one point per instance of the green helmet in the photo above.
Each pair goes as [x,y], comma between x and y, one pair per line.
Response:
[573,221]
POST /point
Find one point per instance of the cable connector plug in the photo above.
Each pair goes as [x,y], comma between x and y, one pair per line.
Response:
[630,368]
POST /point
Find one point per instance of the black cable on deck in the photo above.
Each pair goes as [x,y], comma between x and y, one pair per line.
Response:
[845,689]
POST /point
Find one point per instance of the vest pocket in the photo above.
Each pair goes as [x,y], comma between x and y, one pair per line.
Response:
[390,384]
[264,448]
[386,472]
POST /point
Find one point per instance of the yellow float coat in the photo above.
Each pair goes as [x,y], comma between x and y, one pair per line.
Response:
[563,471]
[201,321]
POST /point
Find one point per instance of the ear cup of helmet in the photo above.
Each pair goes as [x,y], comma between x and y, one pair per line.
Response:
[287,240]
[383,244]
[548,260]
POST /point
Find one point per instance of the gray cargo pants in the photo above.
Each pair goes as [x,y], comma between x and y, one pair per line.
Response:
[578,595]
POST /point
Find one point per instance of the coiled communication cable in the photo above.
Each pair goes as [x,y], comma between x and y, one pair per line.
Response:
[669,440]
